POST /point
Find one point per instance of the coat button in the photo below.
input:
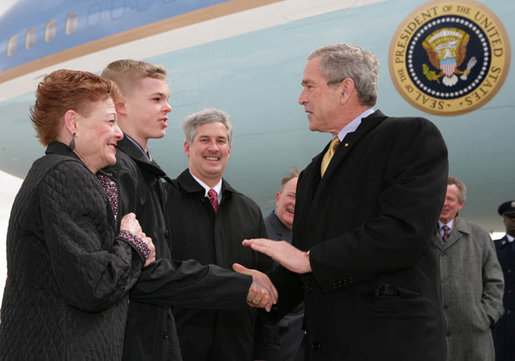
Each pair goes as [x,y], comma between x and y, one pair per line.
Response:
[315,346]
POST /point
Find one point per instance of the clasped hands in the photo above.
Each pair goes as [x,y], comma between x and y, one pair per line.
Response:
[262,292]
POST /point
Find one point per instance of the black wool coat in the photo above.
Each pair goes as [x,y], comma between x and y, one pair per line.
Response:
[197,232]
[373,291]
[151,333]
[68,274]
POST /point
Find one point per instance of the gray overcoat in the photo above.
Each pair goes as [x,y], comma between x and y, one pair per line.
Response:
[472,287]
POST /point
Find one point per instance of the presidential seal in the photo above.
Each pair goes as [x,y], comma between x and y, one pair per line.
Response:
[449,57]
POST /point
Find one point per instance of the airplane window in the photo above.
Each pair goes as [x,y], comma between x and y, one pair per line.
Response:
[94,12]
[71,23]
[12,43]
[50,30]
[30,38]
[143,4]
[117,8]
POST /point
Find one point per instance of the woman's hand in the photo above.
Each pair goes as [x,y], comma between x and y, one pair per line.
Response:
[131,224]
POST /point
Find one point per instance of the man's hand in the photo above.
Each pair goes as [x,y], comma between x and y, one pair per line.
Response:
[281,251]
[262,292]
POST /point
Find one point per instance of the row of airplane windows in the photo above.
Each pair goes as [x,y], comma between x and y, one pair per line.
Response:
[49,35]
[118,8]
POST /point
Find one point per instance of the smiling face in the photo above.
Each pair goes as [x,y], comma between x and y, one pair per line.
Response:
[97,134]
[320,100]
[285,203]
[145,113]
[452,204]
[209,152]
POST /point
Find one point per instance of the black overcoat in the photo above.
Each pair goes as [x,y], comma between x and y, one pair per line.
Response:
[504,329]
[198,232]
[373,291]
[151,334]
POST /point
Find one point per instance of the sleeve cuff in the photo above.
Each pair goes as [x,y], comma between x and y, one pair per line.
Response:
[136,243]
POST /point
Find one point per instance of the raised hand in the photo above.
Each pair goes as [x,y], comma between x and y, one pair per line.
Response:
[262,292]
[281,251]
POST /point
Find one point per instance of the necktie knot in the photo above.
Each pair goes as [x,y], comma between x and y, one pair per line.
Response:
[445,234]
[329,155]
[213,198]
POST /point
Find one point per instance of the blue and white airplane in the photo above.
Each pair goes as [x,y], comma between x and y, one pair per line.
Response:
[447,61]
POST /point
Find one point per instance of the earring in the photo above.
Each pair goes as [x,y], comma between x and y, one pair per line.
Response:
[72,143]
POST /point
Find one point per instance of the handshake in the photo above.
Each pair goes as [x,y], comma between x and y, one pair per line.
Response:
[262,292]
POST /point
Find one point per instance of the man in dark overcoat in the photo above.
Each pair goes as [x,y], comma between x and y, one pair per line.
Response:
[504,329]
[150,332]
[366,208]
[208,220]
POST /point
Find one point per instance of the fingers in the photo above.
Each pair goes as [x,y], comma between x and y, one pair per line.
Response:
[152,256]
[131,224]
[240,269]
[259,298]
[261,245]
[262,292]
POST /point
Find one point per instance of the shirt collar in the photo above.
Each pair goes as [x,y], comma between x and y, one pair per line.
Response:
[510,238]
[217,187]
[145,153]
[448,224]
[352,126]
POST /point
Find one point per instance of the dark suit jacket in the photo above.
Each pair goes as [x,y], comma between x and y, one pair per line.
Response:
[373,293]
[197,232]
[504,329]
[150,333]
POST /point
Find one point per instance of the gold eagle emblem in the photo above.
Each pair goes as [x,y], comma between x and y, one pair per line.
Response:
[446,50]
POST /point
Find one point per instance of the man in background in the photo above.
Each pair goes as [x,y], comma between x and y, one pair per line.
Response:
[279,225]
[471,280]
[504,330]
[208,220]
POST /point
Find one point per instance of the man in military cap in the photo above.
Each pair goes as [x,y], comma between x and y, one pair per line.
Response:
[504,331]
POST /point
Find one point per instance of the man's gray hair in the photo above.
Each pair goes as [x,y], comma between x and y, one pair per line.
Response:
[209,115]
[340,61]
[462,195]
[293,172]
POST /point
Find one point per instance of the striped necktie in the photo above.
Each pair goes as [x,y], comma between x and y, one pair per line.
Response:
[213,198]
[445,234]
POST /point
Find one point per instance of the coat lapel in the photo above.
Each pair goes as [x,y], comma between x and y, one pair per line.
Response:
[350,141]
[459,229]
[310,180]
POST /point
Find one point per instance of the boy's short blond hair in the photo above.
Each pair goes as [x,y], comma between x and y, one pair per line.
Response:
[126,73]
